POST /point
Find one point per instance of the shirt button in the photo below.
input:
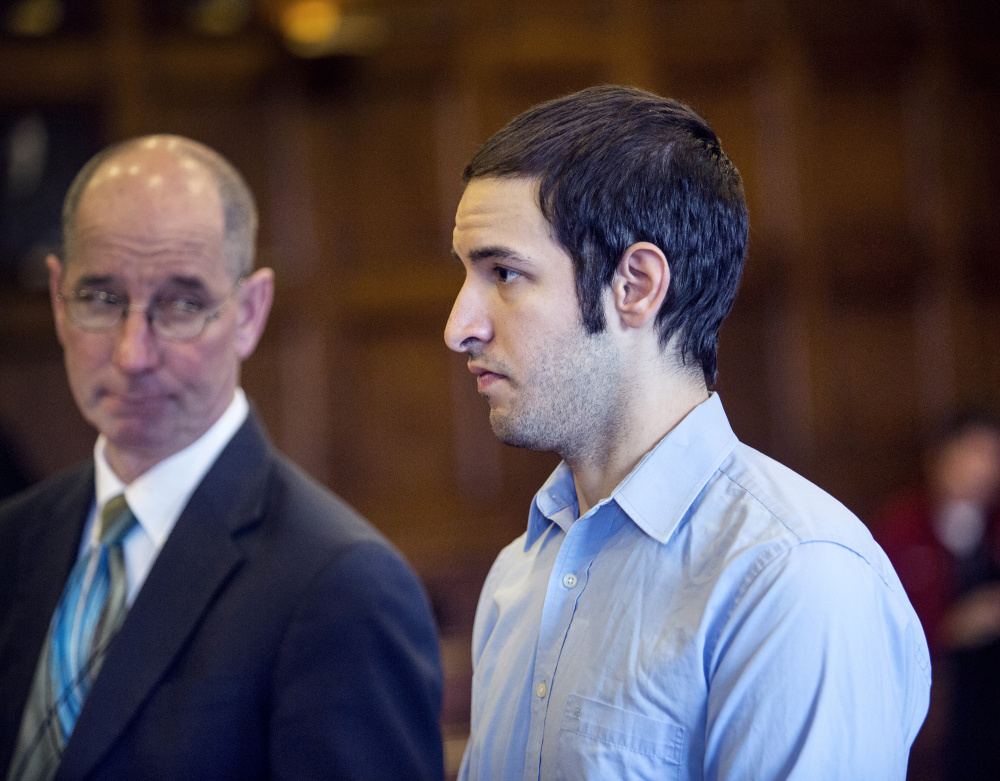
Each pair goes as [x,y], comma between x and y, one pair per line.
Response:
[541,690]
[569,580]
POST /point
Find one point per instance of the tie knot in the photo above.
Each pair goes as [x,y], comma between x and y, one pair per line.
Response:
[117,520]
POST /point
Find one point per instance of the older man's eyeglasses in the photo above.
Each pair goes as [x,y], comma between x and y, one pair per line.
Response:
[176,318]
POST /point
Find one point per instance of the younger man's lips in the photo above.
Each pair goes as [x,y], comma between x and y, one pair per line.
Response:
[484,377]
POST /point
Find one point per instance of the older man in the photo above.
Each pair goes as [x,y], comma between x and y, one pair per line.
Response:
[190,604]
[680,606]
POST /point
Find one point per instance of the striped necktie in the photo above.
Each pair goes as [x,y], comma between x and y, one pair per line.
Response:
[89,614]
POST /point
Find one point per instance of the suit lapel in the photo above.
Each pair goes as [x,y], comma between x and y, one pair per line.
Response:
[47,553]
[44,557]
[198,559]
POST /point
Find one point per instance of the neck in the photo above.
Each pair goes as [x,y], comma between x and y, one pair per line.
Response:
[649,418]
[128,466]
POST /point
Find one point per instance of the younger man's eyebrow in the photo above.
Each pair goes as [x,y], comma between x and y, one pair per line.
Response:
[493,253]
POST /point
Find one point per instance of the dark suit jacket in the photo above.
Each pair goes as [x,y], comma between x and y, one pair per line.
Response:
[278,635]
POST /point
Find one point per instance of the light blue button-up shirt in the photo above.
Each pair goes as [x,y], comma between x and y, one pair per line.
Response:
[717,617]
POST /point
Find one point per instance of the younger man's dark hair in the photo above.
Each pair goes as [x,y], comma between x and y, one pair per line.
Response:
[618,165]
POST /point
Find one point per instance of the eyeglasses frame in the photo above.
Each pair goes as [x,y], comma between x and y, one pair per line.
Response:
[147,310]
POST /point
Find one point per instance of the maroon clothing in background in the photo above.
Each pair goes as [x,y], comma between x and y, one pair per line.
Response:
[929,572]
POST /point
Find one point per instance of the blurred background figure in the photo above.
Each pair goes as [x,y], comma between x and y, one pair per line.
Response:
[943,538]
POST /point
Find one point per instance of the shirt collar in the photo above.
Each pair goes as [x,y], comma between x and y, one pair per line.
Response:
[659,490]
[158,496]
[555,502]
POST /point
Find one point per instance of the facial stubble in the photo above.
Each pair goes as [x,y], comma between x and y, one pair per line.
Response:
[569,400]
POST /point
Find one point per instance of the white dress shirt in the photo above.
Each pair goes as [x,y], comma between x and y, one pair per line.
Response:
[158,496]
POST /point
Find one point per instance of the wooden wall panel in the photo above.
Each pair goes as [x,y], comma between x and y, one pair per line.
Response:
[977,350]
[866,134]
[874,388]
[37,410]
[745,375]
[509,88]
[391,209]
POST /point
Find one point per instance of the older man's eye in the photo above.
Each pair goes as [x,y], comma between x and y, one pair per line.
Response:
[99,299]
[179,308]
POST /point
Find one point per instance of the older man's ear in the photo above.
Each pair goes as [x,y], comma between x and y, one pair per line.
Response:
[254,304]
[55,268]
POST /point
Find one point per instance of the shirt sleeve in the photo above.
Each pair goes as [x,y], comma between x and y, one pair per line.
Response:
[821,671]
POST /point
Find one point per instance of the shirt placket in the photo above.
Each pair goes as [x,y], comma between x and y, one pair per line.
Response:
[566,584]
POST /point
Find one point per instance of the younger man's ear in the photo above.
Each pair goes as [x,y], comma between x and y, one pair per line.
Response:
[640,284]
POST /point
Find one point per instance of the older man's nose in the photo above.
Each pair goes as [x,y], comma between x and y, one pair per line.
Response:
[136,346]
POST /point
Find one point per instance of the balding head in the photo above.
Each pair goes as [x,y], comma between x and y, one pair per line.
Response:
[157,231]
[174,174]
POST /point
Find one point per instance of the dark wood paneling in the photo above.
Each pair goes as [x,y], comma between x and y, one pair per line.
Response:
[866,134]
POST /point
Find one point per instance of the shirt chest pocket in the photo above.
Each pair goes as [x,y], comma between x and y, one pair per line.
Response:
[599,741]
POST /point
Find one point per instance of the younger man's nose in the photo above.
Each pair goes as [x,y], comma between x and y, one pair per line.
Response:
[467,324]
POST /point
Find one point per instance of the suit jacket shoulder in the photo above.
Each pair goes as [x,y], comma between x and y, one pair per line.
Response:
[278,634]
